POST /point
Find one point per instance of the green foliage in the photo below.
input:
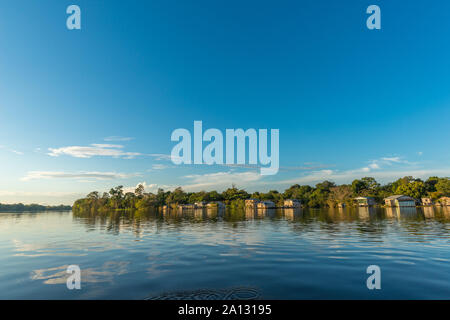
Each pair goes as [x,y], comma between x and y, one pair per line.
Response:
[366,187]
[415,189]
[326,193]
[430,184]
[340,194]
[443,186]
[234,194]
[178,196]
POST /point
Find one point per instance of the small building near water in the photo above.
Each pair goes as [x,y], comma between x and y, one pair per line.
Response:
[186,206]
[292,203]
[365,201]
[445,201]
[427,201]
[216,204]
[266,205]
[400,201]
[251,203]
[201,204]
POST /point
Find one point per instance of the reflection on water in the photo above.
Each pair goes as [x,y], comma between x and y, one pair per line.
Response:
[58,275]
[290,253]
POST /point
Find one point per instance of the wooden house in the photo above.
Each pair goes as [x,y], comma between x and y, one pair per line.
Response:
[251,203]
[201,204]
[400,201]
[292,203]
[427,201]
[186,207]
[365,201]
[445,201]
[216,204]
[266,205]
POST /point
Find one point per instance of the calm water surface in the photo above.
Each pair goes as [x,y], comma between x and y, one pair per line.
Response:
[306,254]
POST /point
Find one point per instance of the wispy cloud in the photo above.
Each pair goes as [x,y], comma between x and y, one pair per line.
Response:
[159,166]
[55,194]
[39,175]
[392,159]
[104,150]
[20,153]
[118,138]
[161,156]
[304,167]
[386,162]
[221,180]
[385,168]
[348,176]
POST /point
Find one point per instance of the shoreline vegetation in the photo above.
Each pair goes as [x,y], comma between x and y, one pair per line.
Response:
[20,207]
[324,194]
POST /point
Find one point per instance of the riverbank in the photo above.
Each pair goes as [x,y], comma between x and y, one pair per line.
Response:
[20,207]
[404,192]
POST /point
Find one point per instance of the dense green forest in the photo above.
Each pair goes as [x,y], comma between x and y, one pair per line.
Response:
[322,195]
[20,207]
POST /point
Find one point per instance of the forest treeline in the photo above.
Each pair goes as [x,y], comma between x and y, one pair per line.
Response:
[324,194]
[20,207]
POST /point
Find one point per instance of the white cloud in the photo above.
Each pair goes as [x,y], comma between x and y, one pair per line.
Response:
[392,159]
[118,138]
[159,166]
[103,145]
[38,175]
[106,150]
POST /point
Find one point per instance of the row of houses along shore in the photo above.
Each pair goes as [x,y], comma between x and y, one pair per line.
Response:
[402,201]
[392,201]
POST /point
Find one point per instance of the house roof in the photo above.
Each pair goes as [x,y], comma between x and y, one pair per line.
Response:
[361,198]
[398,196]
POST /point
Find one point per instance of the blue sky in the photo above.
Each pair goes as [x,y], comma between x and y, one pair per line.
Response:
[349,102]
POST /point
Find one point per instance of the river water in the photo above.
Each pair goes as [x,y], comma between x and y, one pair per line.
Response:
[275,254]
